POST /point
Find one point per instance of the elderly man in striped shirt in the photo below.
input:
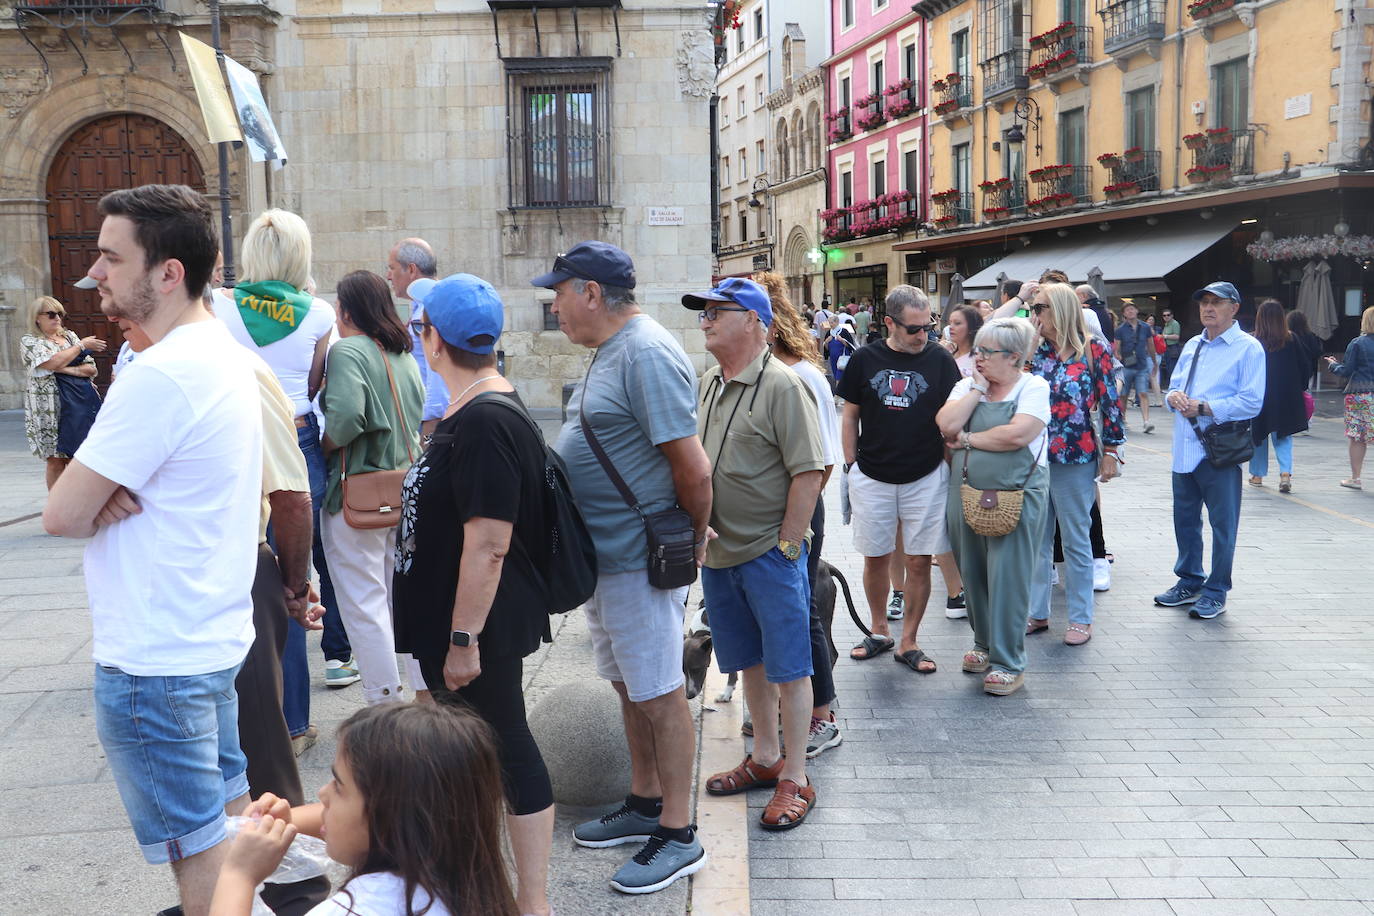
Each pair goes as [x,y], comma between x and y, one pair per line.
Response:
[1220,376]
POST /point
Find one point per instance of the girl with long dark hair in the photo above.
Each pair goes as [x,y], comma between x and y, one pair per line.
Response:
[414,810]
[1283,413]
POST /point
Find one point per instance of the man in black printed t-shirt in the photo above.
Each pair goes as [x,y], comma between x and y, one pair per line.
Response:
[894,458]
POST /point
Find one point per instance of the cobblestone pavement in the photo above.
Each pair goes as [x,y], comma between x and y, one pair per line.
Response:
[1169,766]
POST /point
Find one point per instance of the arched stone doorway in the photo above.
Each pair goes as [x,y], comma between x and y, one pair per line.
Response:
[797,268]
[111,152]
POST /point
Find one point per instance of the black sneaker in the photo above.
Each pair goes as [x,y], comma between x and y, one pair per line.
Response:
[956,608]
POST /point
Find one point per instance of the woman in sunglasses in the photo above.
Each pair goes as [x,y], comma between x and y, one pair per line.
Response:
[49,351]
[995,421]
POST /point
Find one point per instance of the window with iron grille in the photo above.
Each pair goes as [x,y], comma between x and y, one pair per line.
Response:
[558,132]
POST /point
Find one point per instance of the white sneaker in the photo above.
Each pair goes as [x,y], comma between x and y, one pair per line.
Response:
[1102,574]
[1054,574]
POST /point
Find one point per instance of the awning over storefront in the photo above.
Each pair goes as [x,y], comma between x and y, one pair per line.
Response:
[1133,261]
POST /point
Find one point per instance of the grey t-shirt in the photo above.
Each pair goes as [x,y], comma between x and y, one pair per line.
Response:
[641,393]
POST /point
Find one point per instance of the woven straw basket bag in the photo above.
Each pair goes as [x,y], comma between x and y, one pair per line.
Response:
[991,513]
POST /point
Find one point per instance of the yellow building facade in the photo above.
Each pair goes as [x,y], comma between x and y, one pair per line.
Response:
[1155,139]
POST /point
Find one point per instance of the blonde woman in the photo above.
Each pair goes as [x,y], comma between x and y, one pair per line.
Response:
[50,350]
[793,344]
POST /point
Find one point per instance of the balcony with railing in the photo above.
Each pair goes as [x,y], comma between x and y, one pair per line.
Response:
[1129,24]
[902,98]
[870,112]
[1136,171]
[1003,198]
[1005,72]
[1060,53]
[893,212]
[1059,186]
[1219,154]
[952,94]
[952,208]
[839,127]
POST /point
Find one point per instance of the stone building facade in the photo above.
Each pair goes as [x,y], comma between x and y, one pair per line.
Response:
[502,132]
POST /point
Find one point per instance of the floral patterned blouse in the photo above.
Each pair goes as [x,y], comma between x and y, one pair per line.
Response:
[1075,389]
[41,406]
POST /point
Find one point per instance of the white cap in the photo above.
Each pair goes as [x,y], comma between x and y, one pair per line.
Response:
[87,282]
[419,289]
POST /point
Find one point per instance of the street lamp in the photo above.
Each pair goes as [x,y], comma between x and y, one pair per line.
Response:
[754,191]
[1022,111]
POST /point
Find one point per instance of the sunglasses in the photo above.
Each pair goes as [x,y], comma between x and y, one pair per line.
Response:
[916,328]
[51,314]
[711,312]
[1037,309]
[986,352]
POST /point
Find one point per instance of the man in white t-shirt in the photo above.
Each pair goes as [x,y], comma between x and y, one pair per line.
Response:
[169,587]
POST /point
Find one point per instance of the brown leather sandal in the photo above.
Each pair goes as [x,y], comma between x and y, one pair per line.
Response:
[748,775]
[789,806]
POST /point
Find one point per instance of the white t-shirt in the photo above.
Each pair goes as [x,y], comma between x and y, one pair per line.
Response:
[825,402]
[376,894]
[170,588]
[290,357]
[1032,396]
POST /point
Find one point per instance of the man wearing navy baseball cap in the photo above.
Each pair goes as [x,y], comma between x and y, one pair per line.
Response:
[1219,378]
[638,403]
[759,424]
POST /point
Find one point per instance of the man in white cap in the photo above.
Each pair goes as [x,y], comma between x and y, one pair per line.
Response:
[411,269]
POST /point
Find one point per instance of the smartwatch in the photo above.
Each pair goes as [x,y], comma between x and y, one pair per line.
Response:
[463,639]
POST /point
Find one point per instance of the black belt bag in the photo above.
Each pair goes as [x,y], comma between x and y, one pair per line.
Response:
[1226,444]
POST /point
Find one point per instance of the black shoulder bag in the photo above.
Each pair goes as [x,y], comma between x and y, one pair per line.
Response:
[669,534]
[1226,444]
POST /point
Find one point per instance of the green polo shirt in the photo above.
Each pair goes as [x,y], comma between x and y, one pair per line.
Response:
[760,429]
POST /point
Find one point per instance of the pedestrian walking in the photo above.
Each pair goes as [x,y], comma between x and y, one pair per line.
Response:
[55,357]
[1135,348]
[996,421]
[1284,413]
[372,416]
[787,341]
[637,402]
[863,320]
[1220,378]
[757,421]
[1358,369]
[895,459]
[1078,370]
[471,555]
[411,270]
[1172,333]
[170,585]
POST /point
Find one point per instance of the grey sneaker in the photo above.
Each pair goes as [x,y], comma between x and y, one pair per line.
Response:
[895,611]
[623,825]
[1206,608]
[825,734]
[1178,596]
[659,864]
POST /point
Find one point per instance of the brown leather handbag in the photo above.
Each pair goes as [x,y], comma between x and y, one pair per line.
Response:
[373,499]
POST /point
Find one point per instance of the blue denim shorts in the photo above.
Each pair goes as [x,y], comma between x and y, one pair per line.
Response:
[173,748]
[760,612]
[1136,379]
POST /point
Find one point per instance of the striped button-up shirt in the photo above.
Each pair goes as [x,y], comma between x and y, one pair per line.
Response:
[1230,377]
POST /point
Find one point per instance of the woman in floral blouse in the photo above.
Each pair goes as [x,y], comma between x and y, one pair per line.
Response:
[1079,372]
[48,348]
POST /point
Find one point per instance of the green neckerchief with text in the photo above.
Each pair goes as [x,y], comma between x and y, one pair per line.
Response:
[271,309]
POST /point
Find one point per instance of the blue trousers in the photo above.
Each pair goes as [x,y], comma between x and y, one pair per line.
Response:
[1219,490]
[1283,448]
[1072,493]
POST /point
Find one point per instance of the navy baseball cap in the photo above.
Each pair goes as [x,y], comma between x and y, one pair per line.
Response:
[739,291]
[462,307]
[1221,289]
[599,261]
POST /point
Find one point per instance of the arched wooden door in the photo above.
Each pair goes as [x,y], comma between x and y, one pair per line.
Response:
[116,151]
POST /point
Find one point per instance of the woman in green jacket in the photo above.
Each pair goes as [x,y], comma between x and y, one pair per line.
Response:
[371,401]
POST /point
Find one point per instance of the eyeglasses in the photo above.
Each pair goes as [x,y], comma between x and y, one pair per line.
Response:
[711,312]
[986,352]
[417,325]
[915,328]
[1038,308]
[51,314]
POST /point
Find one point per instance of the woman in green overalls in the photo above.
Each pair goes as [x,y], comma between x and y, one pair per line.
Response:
[995,422]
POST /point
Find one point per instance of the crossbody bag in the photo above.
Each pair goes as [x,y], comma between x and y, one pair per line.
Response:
[995,513]
[372,499]
[1226,444]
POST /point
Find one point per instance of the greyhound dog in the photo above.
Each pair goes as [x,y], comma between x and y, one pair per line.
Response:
[696,644]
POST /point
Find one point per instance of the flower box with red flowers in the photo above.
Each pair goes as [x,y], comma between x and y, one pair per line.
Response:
[837,115]
[939,86]
[900,108]
[947,196]
[947,106]
[898,87]
[944,221]
[1036,71]
[837,234]
[832,213]
[1121,190]
[1109,160]
[1219,136]
[1061,31]
[866,100]
[1197,174]
[1134,154]
[995,213]
[994,184]
[870,119]
[1062,199]
[1195,141]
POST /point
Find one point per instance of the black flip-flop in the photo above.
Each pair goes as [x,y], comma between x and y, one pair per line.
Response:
[873,646]
[913,658]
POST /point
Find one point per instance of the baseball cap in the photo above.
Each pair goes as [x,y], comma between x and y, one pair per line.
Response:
[420,288]
[462,307]
[739,291]
[1221,289]
[599,261]
[86,282]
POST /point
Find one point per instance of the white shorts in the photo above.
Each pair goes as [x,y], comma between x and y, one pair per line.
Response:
[919,506]
[636,632]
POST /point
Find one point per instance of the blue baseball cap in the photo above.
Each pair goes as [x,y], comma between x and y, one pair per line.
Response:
[462,307]
[739,291]
[599,261]
[1221,289]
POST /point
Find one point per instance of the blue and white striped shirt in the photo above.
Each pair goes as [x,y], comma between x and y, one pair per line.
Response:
[1230,378]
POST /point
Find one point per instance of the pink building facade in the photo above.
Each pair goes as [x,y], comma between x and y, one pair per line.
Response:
[877,136]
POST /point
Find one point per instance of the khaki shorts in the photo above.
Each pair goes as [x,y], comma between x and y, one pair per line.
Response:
[919,506]
[636,632]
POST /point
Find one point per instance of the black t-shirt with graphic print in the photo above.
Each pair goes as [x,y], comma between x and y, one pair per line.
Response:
[483,462]
[898,396]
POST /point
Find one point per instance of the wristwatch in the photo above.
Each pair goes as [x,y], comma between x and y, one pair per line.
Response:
[463,639]
[304,590]
[790,549]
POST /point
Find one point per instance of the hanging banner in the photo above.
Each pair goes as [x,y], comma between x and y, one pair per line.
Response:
[220,124]
[259,132]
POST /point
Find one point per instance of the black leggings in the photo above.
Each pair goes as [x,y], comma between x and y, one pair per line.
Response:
[497,696]
[822,677]
[1099,541]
